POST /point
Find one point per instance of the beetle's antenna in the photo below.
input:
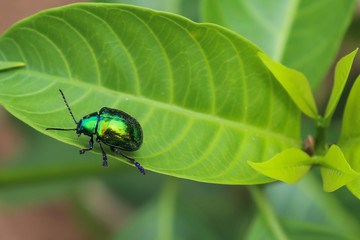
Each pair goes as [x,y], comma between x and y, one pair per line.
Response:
[62,129]
[68,108]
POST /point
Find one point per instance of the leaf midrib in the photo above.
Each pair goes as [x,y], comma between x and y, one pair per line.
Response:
[174,108]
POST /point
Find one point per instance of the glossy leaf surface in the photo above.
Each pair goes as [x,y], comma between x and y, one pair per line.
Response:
[205,101]
[289,31]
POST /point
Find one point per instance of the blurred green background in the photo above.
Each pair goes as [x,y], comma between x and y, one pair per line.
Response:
[46,194]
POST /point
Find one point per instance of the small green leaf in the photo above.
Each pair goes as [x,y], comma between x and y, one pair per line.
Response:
[295,83]
[350,132]
[354,187]
[4,65]
[335,170]
[288,166]
[350,135]
[342,71]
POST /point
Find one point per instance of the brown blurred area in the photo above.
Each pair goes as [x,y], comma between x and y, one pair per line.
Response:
[13,11]
[53,220]
[10,137]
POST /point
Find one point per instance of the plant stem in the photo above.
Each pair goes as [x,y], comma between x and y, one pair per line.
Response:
[167,210]
[269,216]
[321,138]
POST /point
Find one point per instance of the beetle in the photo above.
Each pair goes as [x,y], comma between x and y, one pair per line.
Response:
[112,127]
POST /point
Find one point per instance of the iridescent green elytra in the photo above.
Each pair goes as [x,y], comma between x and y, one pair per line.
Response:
[113,127]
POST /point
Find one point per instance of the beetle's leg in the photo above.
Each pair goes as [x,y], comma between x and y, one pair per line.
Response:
[141,169]
[105,164]
[91,143]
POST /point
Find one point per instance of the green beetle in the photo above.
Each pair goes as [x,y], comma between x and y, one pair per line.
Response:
[113,127]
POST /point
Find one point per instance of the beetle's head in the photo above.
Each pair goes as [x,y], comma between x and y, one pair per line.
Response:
[87,125]
[79,128]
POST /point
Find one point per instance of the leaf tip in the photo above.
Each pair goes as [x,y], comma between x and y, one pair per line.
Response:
[335,170]
[257,166]
[356,50]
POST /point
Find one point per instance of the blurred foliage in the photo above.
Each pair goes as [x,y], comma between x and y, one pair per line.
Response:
[208,211]
[288,31]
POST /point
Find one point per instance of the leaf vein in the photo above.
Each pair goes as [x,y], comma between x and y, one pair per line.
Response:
[91,50]
[51,43]
[207,152]
[126,50]
[210,73]
[167,60]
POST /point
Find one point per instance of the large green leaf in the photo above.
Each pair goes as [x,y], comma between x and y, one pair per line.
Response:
[301,34]
[206,103]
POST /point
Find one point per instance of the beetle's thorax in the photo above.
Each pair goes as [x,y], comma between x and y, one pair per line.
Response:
[87,125]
